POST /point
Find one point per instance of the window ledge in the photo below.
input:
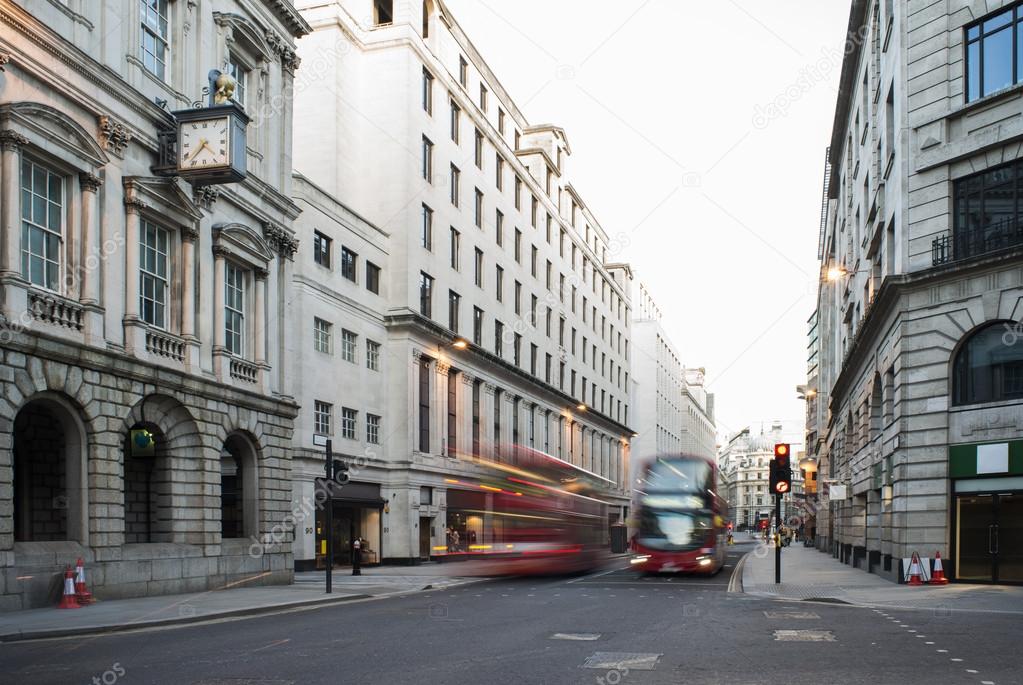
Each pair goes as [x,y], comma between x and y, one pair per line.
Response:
[979,406]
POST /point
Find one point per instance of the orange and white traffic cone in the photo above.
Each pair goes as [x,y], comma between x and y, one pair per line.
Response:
[68,600]
[81,591]
[914,571]
[938,578]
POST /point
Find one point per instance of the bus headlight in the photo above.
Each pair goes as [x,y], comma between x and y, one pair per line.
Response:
[639,559]
[706,561]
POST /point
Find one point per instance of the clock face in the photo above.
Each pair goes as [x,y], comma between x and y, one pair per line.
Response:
[204,144]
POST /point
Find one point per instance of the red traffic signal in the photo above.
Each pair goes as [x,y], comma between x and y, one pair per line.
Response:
[781,469]
[781,449]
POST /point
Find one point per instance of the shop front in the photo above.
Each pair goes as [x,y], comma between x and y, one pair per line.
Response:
[468,528]
[356,513]
[987,512]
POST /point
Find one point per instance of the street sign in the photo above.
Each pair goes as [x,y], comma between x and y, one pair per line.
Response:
[320,440]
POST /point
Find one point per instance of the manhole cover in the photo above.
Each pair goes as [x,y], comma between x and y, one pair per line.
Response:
[804,636]
[622,660]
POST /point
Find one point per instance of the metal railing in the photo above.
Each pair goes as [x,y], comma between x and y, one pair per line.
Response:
[964,243]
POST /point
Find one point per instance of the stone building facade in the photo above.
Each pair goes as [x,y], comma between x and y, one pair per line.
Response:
[919,416]
[506,311]
[132,300]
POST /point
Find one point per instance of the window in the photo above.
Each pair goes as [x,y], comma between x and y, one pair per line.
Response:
[454,302]
[499,279]
[456,112]
[478,218]
[532,310]
[372,355]
[348,421]
[987,368]
[155,36]
[533,353]
[479,268]
[456,177]
[517,350]
[987,210]
[534,253]
[550,275]
[477,326]
[234,308]
[424,405]
[383,12]
[452,446]
[994,53]
[547,368]
[427,160]
[348,261]
[42,227]
[322,412]
[426,232]
[456,249]
[498,338]
[483,98]
[239,71]
[518,246]
[499,171]
[153,270]
[550,318]
[479,149]
[518,297]
[348,345]
[373,278]
[532,211]
[425,294]
[321,335]
[427,91]
[463,72]
[321,249]
[373,429]
[518,192]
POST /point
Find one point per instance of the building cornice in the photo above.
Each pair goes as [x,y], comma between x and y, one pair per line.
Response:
[442,337]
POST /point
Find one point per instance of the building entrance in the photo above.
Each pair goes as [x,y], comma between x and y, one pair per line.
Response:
[989,537]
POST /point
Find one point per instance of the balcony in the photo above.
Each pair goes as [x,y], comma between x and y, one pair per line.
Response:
[960,244]
[244,371]
[55,310]
[164,345]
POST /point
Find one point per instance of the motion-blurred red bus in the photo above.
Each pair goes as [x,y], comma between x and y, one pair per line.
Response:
[544,516]
[681,528]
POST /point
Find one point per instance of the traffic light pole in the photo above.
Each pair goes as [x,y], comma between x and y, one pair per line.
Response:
[777,538]
[328,517]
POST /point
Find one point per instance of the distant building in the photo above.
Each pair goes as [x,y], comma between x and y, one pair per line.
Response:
[699,432]
[744,463]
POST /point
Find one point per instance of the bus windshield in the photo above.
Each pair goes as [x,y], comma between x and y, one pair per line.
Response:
[673,530]
[678,475]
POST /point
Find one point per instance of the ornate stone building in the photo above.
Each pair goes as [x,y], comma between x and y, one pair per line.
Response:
[133,300]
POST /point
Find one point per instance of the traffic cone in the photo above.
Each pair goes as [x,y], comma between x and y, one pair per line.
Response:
[81,591]
[68,600]
[938,578]
[914,571]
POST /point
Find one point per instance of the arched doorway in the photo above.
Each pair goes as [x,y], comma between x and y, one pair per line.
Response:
[239,488]
[146,488]
[49,472]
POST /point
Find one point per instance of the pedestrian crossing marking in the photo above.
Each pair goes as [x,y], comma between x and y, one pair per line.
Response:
[791,614]
[804,636]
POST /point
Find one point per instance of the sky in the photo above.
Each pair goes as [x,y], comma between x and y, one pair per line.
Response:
[698,133]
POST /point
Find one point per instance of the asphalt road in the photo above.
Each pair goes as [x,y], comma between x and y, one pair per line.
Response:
[611,627]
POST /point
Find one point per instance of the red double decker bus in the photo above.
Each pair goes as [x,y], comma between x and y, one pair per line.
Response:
[680,523]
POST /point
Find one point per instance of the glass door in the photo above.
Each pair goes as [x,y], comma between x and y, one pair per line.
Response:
[1008,539]
[975,538]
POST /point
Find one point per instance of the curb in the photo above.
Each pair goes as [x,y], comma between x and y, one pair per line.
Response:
[735,582]
[26,636]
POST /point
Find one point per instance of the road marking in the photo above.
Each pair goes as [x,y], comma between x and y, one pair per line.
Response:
[804,636]
[928,643]
[735,580]
[941,651]
[576,636]
[272,644]
[595,575]
[620,661]
[970,670]
[955,659]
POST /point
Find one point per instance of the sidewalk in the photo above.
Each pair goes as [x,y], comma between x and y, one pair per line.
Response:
[809,574]
[308,590]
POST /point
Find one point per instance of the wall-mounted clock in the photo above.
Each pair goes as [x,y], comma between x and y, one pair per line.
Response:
[211,144]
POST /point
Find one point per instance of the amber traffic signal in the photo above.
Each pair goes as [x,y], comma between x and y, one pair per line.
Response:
[781,469]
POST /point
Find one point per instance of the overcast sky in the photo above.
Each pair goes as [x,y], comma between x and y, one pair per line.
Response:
[714,194]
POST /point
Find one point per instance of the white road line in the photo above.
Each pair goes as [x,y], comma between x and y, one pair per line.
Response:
[595,575]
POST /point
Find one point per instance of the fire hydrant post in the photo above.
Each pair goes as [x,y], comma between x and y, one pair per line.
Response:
[356,557]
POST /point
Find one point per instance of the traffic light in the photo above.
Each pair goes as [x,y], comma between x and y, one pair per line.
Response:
[781,469]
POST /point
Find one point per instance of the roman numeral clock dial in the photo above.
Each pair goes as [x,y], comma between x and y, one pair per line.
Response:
[211,144]
[204,144]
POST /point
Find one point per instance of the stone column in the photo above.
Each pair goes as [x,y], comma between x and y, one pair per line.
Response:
[10,257]
[134,339]
[259,354]
[439,409]
[465,414]
[219,335]
[487,421]
[93,260]
[189,237]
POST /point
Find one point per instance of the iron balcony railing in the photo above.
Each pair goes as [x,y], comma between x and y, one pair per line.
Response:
[964,243]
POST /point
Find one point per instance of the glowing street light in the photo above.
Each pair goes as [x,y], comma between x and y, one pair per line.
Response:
[460,343]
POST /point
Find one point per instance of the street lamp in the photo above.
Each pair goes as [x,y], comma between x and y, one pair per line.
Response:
[581,407]
[460,343]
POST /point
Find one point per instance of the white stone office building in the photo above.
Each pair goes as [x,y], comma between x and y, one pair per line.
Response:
[699,431]
[920,404]
[488,245]
[745,462]
[132,300]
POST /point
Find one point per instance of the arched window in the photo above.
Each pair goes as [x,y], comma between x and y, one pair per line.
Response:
[989,366]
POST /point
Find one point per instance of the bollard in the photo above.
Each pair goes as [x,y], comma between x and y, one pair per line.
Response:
[356,557]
